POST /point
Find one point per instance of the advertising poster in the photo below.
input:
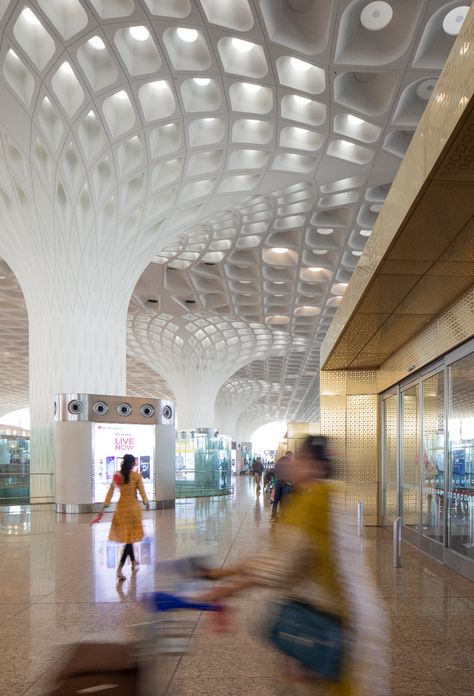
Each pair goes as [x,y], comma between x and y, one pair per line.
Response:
[111,442]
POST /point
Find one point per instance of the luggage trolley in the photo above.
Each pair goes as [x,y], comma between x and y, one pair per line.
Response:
[169,635]
[140,668]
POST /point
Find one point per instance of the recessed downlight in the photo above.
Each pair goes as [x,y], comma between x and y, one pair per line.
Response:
[301,100]
[251,87]
[139,33]
[355,120]
[376,15]
[366,233]
[279,250]
[66,68]
[356,253]
[453,21]
[122,95]
[30,16]
[202,81]
[278,319]
[96,43]
[242,46]
[425,89]
[300,65]
[315,269]
[187,35]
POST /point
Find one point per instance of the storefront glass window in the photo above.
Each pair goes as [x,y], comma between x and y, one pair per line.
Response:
[203,463]
[433,468]
[461,455]
[390,446]
[410,480]
[14,468]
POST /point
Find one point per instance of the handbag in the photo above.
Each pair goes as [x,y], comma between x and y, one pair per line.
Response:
[312,637]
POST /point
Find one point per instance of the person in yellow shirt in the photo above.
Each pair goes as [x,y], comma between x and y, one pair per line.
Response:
[313,566]
[126,524]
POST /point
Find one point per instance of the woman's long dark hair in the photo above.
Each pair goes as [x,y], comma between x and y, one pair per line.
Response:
[127,465]
[316,446]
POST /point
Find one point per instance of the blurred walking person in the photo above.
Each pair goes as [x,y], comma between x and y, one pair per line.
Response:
[330,622]
[281,471]
[126,525]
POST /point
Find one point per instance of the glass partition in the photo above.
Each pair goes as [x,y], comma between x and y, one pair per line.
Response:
[203,463]
[390,458]
[409,470]
[432,470]
[461,452]
[14,467]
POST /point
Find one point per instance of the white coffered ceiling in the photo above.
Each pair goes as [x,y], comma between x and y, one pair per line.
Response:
[258,140]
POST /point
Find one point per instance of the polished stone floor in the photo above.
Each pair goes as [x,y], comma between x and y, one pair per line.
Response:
[57,580]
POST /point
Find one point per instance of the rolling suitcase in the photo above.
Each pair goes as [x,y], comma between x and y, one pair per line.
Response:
[98,668]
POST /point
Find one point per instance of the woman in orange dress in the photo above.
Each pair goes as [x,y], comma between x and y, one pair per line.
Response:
[127,520]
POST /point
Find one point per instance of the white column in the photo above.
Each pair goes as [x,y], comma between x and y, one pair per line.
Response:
[72,349]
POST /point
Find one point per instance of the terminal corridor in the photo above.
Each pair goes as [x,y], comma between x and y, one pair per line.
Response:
[59,587]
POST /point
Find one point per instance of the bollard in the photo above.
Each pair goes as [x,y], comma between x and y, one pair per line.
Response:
[360,517]
[397,541]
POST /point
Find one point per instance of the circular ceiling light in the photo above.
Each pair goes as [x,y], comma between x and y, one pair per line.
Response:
[425,89]
[355,120]
[139,33]
[242,46]
[96,43]
[280,250]
[202,81]
[300,65]
[187,35]
[376,15]
[453,21]
[301,100]
[251,87]
[30,16]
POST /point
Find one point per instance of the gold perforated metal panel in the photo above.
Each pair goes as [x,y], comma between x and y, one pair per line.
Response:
[450,329]
[349,408]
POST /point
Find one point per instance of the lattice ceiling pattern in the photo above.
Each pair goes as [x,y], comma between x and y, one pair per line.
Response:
[253,142]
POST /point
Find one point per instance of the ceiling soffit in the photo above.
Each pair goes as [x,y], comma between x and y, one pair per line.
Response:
[427,264]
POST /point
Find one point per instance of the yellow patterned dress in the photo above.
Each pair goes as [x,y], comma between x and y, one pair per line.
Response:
[127,521]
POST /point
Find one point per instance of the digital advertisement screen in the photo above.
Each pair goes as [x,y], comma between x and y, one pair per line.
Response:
[111,442]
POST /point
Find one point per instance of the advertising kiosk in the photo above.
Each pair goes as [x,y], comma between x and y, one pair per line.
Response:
[92,433]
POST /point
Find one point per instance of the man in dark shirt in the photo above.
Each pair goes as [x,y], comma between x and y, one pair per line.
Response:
[258,467]
[280,481]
